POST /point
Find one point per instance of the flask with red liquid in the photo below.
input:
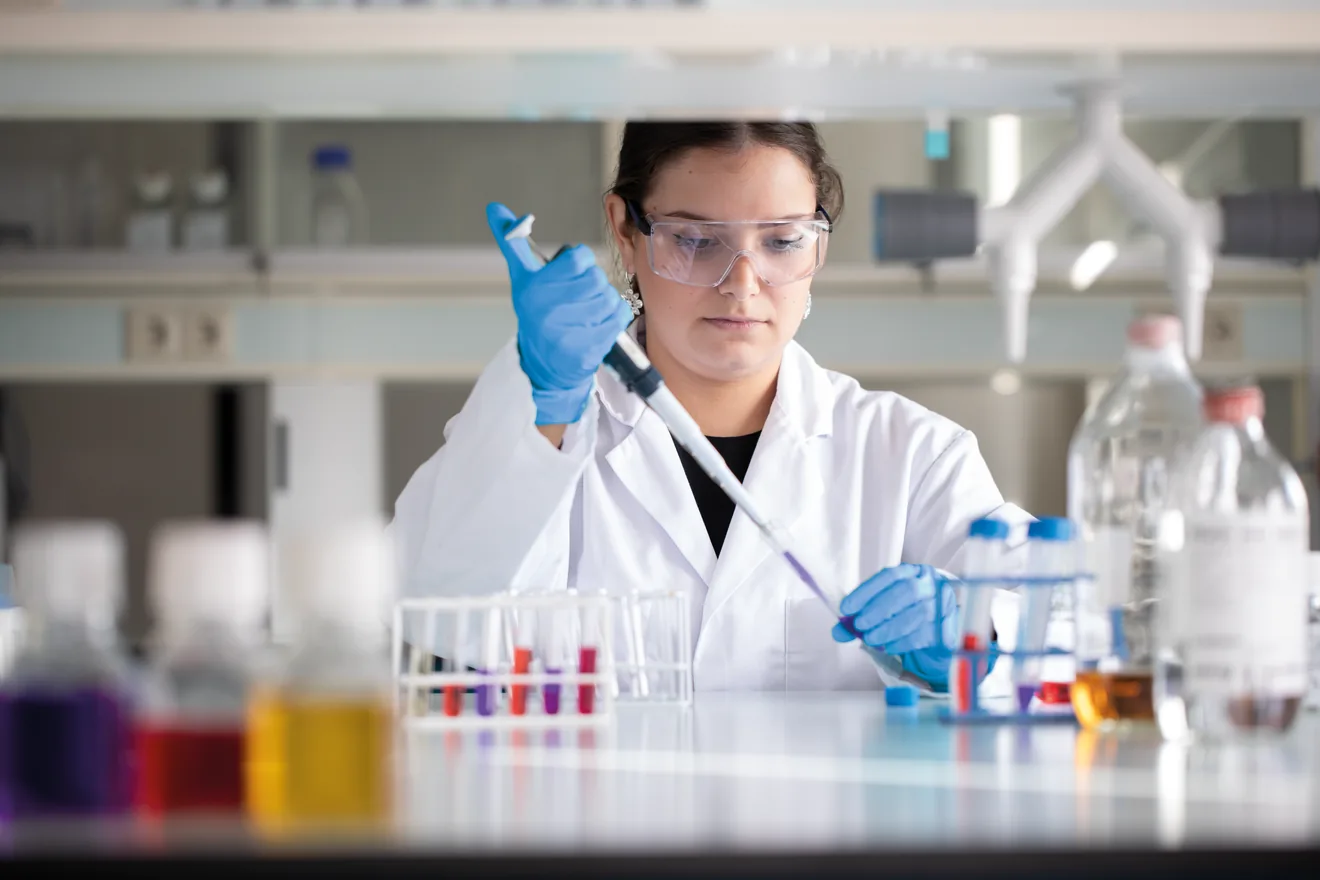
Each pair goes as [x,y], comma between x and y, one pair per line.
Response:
[209,591]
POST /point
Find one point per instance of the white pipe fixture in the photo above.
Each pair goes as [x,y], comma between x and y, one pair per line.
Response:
[1100,153]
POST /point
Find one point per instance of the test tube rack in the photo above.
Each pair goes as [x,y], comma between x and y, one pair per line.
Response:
[968,668]
[509,692]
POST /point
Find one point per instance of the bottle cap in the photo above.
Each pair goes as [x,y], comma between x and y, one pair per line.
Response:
[901,695]
[213,572]
[210,187]
[332,157]
[1234,404]
[1154,331]
[343,575]
[70,570]
[994,529]
[1051,528]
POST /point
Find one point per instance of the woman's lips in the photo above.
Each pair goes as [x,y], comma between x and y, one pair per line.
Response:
[734,324]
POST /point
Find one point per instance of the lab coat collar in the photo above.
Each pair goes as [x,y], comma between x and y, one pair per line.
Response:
[803,395]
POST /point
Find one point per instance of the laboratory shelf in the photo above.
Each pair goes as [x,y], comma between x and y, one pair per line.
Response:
[293,331]
[716,27]
[838,62]
[621,85]
[777,785]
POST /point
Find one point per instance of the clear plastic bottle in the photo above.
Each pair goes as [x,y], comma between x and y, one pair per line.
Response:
[1119,470]
[321,734]
[339,212]
[1232,635]
[209,590]
[65,714]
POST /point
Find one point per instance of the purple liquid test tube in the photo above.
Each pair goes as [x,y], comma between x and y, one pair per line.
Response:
[550,694]
[485,698]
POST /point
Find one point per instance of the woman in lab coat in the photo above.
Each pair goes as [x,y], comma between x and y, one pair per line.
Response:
[554,476]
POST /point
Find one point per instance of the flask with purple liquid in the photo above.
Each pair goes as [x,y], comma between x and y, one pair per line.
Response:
[65,720]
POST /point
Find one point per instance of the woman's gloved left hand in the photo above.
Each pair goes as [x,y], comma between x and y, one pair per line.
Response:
[895,611]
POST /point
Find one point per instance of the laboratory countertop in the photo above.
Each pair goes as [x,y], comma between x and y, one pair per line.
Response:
[776,784]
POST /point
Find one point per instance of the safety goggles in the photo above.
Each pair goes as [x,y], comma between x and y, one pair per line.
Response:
[702,252]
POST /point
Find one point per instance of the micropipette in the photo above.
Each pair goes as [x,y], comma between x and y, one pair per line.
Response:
[628,362]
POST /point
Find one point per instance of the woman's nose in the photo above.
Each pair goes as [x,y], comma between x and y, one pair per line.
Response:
[742,281]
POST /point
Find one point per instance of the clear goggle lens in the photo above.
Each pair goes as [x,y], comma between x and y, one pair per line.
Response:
[703,254]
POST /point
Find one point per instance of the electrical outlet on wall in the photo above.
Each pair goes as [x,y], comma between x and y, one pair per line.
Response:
[153,334]
[208,333]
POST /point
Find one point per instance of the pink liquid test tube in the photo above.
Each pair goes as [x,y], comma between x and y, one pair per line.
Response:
[586,692]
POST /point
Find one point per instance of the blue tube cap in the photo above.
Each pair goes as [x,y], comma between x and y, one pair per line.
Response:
[332,157]
[1051,528]
[901,695]
[993,529]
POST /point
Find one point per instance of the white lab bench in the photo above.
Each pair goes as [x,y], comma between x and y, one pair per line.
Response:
[800,784]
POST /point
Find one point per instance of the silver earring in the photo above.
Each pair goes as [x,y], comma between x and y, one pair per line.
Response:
[806,313]
[631,296]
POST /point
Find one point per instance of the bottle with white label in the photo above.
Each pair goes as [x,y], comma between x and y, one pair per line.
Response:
[1119,466]
[1231,656]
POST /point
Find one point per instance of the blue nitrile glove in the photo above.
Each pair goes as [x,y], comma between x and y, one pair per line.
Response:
[568,319]
[894,610]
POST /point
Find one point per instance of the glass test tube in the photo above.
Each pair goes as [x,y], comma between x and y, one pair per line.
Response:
[490,661]
[587,651]
[454,692]
[524,626]
[555,636]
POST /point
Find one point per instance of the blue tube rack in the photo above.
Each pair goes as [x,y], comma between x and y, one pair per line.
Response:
[976,711]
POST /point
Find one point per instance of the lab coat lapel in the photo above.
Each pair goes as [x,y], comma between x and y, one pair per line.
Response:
[647,463]
[784,476]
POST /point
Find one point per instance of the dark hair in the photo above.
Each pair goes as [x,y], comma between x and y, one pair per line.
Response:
[648,146]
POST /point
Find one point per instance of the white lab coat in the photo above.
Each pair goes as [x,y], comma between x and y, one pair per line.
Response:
[862,479]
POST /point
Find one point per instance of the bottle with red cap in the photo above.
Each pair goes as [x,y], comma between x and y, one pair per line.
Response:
[1119,466]
[1232,649]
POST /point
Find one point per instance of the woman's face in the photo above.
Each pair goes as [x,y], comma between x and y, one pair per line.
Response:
[739,328]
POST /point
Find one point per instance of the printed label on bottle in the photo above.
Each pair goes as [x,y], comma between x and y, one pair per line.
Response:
[1245,624]
[1109,558]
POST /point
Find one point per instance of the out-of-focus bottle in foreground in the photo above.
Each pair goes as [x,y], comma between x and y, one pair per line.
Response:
[321,734]
[65,715]
[1231,656]
[208,584]
[1120,464]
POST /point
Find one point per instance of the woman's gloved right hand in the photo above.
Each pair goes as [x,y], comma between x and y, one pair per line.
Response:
[568,319]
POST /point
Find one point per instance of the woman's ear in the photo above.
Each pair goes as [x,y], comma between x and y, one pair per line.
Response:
[621,227]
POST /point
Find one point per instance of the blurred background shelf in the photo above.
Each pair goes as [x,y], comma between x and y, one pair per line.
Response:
[835,86]
[714,26]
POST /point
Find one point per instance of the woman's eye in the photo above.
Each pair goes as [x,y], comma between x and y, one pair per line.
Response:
[694,243]
[787,244]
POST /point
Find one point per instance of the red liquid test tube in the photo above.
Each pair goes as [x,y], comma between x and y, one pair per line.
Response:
[522,664]
[453,700]
[586,692]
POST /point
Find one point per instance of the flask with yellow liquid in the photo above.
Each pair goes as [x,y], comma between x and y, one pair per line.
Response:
[321,730]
